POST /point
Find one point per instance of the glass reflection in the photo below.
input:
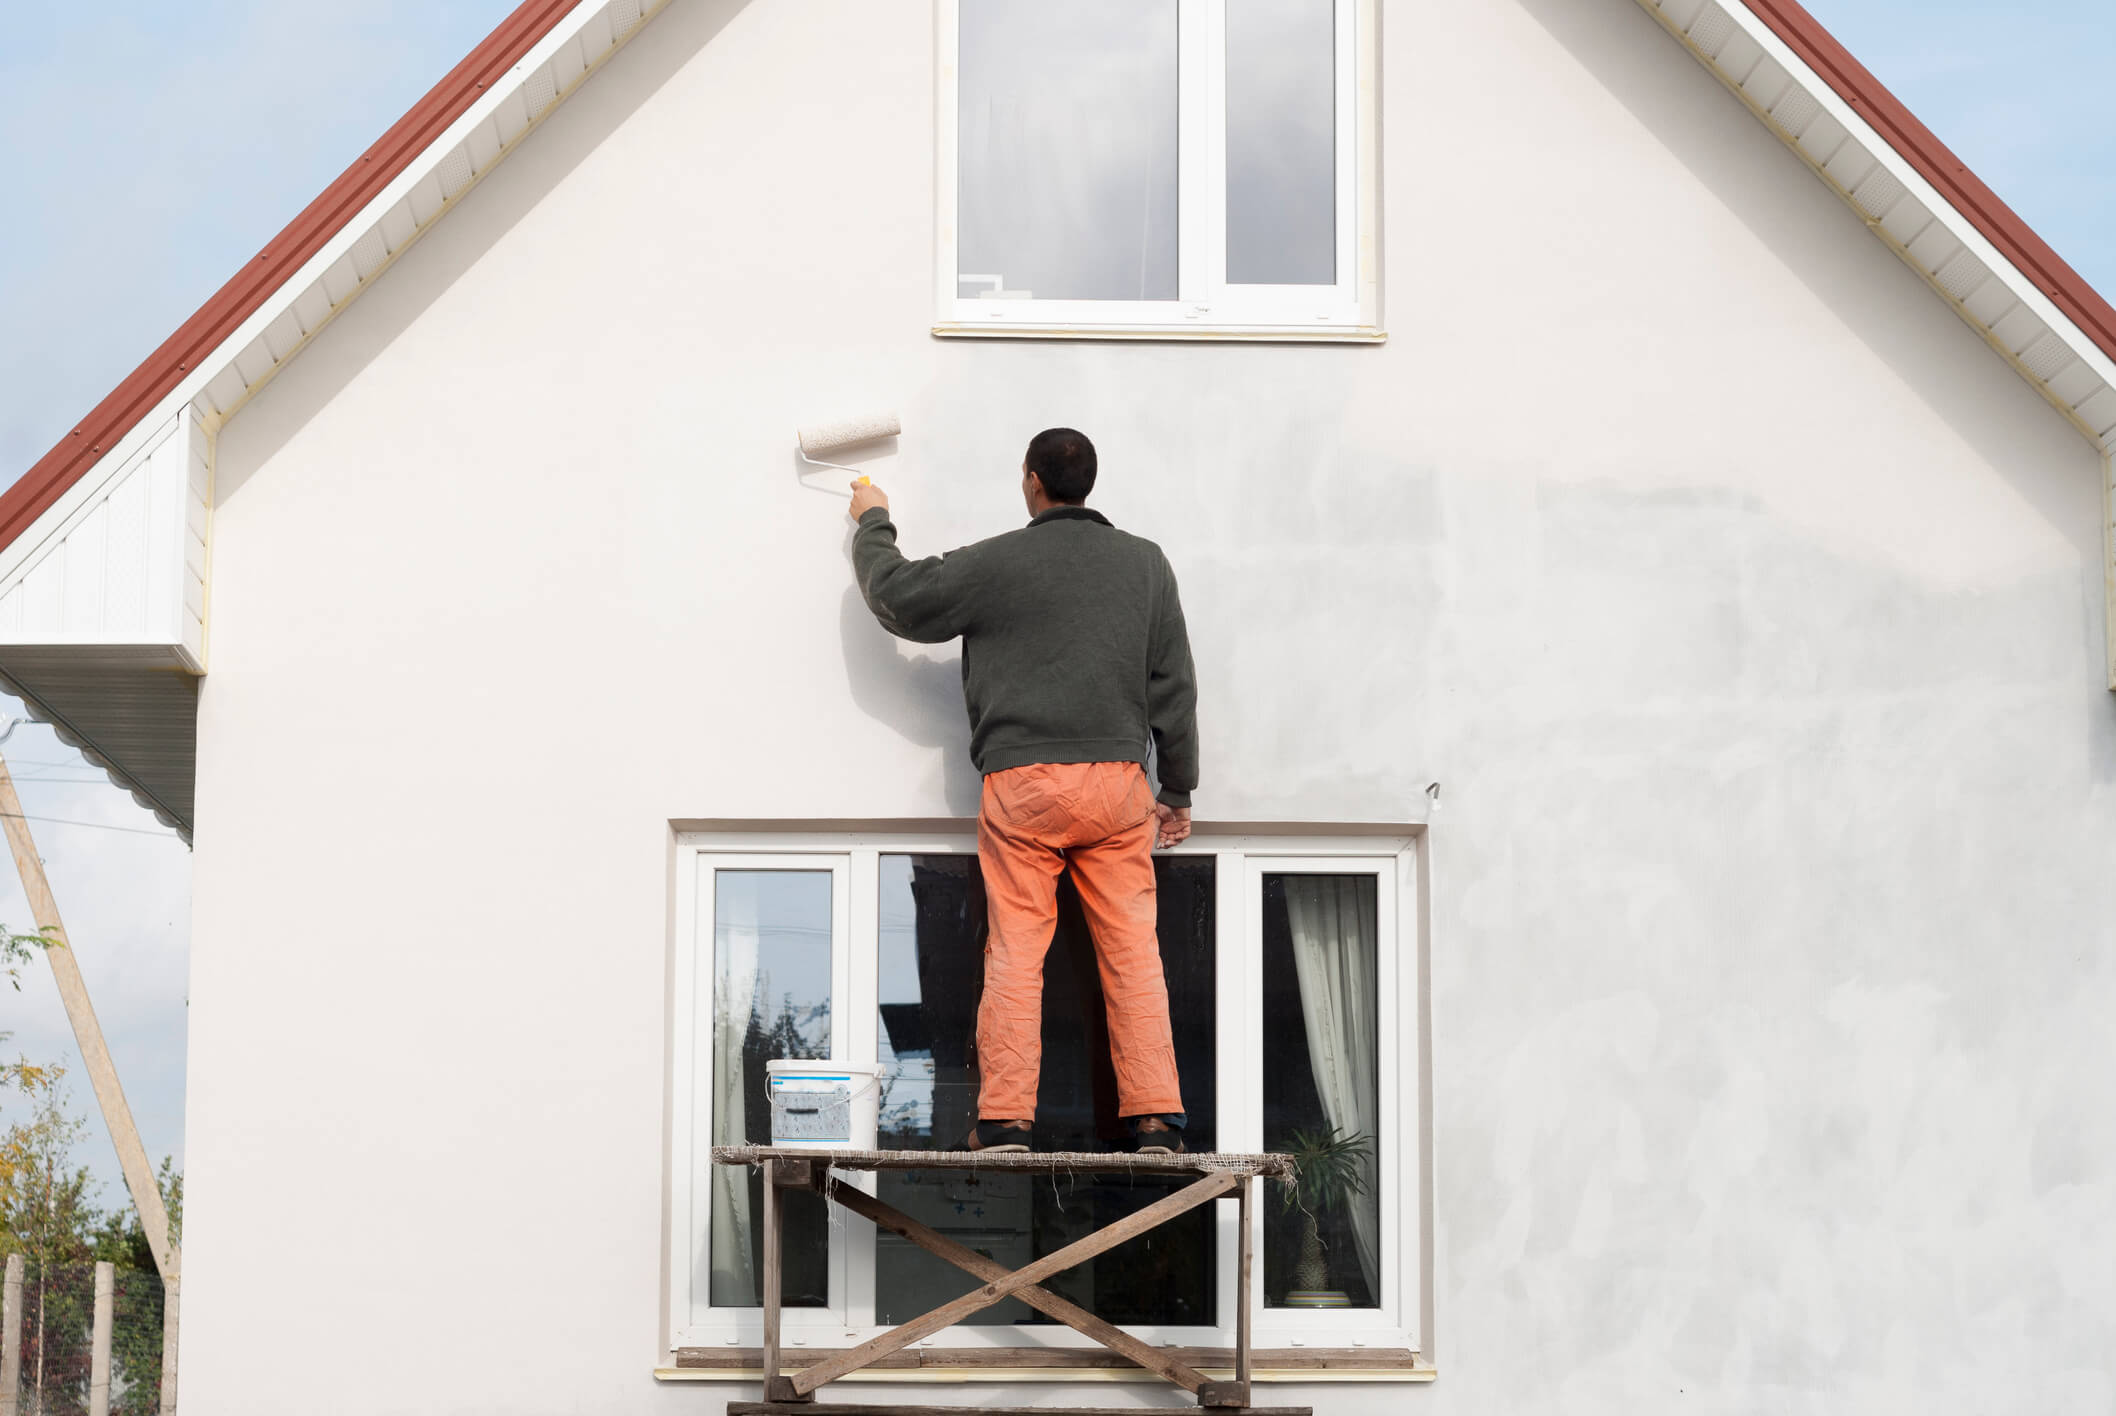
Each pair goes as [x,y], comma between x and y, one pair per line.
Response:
[1281,142]
[932,952]
[1066,150]
[771,998]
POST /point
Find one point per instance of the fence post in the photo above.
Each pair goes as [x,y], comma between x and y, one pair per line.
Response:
[171,1292]
[11,1339]
[99,1342]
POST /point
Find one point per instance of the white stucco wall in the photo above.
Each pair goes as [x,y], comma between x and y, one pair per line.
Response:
[1745,604]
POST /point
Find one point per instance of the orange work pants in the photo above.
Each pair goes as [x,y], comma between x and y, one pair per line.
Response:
[1098,819]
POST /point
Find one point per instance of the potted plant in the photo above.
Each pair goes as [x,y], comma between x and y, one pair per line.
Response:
[1329,1169]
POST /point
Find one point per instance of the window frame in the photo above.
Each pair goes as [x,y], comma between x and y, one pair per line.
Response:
[1242,858]
[1206,307]
[691,1075]
[1399,1241]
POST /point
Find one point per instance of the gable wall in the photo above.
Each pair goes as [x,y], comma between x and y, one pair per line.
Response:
[1746,606]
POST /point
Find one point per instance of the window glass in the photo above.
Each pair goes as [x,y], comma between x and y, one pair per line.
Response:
[931,973]
[1066,150]
[771,998]
[1281,142]
[1321,976]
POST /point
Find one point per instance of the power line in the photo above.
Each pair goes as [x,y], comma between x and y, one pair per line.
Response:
[92,825]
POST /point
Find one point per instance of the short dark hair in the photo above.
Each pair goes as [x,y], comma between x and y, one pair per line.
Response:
[1064,461]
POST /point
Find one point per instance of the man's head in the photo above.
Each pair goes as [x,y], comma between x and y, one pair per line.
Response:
[1059,469]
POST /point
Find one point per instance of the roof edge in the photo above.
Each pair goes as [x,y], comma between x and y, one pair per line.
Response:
[2075,297]
[248,290]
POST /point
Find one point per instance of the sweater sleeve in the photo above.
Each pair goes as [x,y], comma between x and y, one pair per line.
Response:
[925,600]
[1172,699]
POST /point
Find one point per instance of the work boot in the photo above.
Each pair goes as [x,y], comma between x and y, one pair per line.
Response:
[1154,1136]
[998,1137]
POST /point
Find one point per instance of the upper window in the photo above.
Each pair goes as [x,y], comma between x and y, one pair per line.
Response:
[1156,167]
[1296,1017]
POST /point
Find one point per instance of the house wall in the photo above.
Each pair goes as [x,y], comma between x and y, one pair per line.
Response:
[1744,603]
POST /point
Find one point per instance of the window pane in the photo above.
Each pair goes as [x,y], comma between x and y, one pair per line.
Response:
[1281,142]
[771,998]
[1322,1088]
[1066,150]
[932,952]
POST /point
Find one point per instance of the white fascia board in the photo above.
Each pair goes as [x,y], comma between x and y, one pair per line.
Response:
[2108,550]
[1688,21]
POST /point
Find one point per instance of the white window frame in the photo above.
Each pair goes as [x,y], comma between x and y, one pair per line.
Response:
[1207,307]
[1242,860]
[691,1080]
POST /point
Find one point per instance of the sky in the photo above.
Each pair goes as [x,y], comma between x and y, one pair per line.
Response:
[148,149]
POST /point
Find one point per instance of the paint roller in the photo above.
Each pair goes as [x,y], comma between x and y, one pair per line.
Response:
[816,439]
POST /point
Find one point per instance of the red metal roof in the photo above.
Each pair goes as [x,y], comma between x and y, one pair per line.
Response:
[1937,164]
[196,339]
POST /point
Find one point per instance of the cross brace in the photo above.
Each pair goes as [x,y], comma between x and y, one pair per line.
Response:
[1000,1283]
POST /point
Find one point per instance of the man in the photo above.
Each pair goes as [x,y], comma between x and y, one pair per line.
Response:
[1074,658]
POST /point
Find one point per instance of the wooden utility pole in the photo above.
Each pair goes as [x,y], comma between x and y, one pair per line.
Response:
[172,1290]
[102,1074]
[99,1340]
[87,1033]
[11,1339]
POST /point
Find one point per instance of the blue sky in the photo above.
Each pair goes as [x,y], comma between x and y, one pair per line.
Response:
[147,149]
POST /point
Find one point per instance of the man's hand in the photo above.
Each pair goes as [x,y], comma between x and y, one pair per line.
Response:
[866,497]
[1173,827]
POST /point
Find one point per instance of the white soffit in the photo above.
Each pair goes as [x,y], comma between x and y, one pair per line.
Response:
[1902,208]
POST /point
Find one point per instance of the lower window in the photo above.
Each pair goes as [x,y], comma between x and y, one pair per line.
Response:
[1295,1016]
[932,940]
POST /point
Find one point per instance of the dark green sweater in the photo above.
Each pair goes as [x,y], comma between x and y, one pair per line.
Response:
[1073,646]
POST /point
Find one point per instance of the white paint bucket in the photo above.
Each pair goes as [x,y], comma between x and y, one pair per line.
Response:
[823,1105]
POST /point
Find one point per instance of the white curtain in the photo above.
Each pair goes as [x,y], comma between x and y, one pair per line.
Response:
[1335,922]
[733,1280]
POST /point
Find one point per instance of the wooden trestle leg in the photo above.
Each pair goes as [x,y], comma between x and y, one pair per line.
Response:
[1235,1394]
[1241,1289]
[776,1387]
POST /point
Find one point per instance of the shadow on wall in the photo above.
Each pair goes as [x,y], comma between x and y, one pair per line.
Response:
[447,250]
[2018,436]
[916,695]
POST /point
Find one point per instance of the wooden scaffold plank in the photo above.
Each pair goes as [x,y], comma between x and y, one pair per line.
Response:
[1277,1166]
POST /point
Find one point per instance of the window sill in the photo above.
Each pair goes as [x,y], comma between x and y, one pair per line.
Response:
[1280,1365]
[1229,334]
